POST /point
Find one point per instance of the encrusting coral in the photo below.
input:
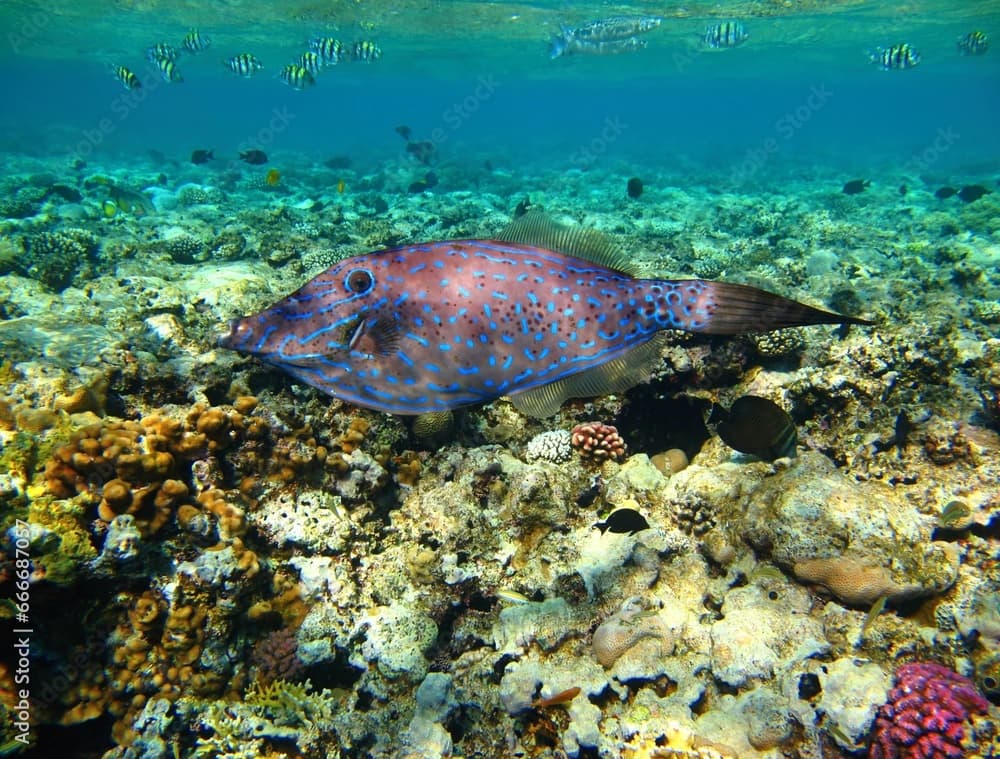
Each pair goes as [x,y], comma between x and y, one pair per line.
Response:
[925,714]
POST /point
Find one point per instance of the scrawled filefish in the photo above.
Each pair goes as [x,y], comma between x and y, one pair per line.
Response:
[438,325]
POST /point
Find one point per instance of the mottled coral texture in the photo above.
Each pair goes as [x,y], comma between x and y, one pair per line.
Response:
[924,716]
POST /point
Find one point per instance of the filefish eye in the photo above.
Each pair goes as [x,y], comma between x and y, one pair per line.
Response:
[359,281]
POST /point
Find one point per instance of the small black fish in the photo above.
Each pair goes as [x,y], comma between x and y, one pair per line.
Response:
[69,194]
[423,151]
[430,180]
[757,426]
[201,156]
[253,156]
[623,520]
[522,208]
[901,431]
[338,162]
[855,186]
[634,187]
[945,192]
[404,131]
[903,189]
[488,164]
[972,192]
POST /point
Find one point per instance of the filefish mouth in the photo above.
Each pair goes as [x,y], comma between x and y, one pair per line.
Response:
[232,334]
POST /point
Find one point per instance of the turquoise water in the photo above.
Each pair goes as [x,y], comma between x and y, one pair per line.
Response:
[110,310]
[801,90]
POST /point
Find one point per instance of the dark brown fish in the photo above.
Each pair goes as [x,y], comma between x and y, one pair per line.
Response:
[945,192]
[757,426]
[634,187]
[423,151]
[972,192]
[254,156]
[855,186]
[623,520]
[201,156]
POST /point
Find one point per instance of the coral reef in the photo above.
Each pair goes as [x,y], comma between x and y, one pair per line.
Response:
[208,537]
[925,714]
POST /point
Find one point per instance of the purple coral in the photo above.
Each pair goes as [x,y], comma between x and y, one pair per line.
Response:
[275,657]
[925,713]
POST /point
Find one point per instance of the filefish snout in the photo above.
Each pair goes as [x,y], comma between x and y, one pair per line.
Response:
[234,334]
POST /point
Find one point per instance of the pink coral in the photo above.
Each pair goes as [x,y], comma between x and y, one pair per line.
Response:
[598,442]
[925,713]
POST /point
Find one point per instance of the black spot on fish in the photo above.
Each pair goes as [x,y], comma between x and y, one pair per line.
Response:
[623,520]
[757,426]
[972,192]
[945,192]
[634,187]
[855,186]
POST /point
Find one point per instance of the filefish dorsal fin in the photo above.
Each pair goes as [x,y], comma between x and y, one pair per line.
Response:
[535,228]
[615,376]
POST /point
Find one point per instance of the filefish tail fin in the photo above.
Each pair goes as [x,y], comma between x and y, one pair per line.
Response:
[737,309]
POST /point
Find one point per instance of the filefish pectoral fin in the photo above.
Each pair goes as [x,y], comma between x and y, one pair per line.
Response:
[737,309]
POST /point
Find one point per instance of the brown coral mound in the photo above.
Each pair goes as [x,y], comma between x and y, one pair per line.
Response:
[140,468]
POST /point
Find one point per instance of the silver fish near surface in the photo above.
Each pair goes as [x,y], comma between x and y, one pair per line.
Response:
[613,28]
[573,46]
[606,36]
[541,313]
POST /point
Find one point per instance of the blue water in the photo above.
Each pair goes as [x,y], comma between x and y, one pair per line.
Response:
[801,92]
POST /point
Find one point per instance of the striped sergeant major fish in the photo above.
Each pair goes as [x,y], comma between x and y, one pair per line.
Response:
[297,77]
[168,70]
[124,75]
[330,50]
[725,35]
[541,313]
[195,42]
[311,62]
[973,43]
[366,51]
[895,58]
[162,51]
[244,64]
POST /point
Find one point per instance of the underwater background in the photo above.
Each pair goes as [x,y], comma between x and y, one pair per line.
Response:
[200,556]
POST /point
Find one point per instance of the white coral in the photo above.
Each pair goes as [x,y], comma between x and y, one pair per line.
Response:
[552,445]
